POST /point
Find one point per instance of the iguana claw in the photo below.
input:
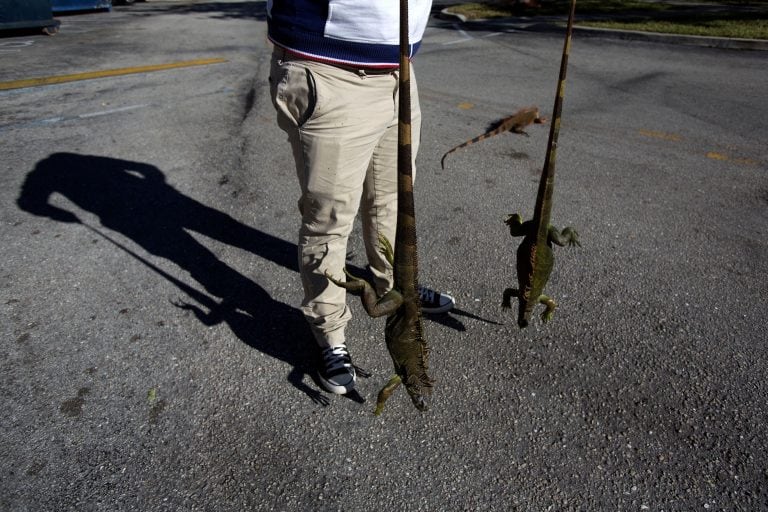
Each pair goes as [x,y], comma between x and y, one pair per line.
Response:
[572,236]
[385,248]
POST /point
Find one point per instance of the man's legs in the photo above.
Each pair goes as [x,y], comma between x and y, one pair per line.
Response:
[334,119]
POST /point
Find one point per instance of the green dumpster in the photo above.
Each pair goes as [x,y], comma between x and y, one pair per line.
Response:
[27,14]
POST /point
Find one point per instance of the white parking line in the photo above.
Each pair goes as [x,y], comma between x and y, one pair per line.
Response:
[14,46]
[467,37]
[112,111]
[117,110]
[87,115]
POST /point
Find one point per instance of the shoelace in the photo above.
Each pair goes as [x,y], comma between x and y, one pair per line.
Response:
[337,357]
[427,295]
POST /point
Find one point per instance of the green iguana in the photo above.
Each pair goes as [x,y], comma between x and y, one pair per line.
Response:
[404,332]
[514,123]
[535,257]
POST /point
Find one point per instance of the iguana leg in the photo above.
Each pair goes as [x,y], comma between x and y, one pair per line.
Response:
[550,304]
[386,392]
[354,285]
[567,236]
[515,223]
[508,294]
[374,305]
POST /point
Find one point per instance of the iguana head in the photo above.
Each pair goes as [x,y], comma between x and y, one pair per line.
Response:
[420,401]
[419,387]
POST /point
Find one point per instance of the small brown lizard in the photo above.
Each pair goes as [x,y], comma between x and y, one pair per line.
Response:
[514,123]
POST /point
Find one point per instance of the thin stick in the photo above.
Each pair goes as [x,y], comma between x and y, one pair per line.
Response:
[541,215]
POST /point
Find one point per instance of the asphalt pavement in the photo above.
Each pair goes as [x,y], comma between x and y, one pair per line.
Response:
[153,356]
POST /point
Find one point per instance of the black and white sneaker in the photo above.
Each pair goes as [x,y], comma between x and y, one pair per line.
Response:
[336,373]
[435,302]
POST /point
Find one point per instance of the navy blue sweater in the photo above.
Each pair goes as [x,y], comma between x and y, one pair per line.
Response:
[353,32]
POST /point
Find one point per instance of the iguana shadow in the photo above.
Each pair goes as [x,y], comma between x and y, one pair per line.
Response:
[134,199]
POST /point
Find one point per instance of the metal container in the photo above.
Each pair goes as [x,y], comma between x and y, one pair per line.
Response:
[80,5]
[27,14]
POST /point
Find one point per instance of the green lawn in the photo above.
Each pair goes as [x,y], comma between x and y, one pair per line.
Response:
[748,29]
[675,18]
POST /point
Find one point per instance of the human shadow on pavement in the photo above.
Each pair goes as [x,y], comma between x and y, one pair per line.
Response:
[134,199]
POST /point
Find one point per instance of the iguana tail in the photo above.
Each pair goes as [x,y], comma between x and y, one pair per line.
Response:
[494,128]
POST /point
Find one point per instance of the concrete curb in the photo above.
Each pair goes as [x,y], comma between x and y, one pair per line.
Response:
[712,42]
[550,25]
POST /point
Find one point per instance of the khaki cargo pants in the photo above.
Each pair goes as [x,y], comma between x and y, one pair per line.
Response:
[342,126]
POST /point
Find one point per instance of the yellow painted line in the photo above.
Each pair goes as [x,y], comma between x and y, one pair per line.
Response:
[661,135]
[466,105]
[746,161]
[716,156]
[36,82]
[712,155]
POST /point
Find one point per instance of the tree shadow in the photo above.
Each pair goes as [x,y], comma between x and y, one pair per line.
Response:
[133,199]
[256,10]
[547,15]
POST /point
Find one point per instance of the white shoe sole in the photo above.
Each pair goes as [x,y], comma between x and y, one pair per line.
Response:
[335,388]
[440,309]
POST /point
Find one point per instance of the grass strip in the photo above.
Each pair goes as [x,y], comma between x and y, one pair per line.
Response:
[749,19]
[746,29]
[478,10]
